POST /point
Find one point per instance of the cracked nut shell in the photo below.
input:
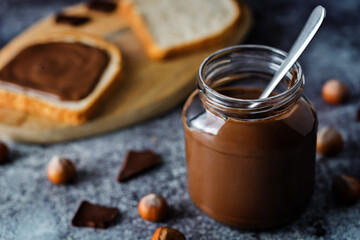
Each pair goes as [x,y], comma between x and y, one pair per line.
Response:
[167,233]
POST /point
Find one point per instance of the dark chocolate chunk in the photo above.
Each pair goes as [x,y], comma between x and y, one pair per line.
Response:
[358,115]
[319,230]
[102,6]
[136,162]
[94,216]
[4,153]
[71,19]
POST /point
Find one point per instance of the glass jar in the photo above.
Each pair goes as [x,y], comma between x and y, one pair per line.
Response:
[250,162]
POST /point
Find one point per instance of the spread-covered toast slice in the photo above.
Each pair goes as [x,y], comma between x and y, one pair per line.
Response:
[63,76]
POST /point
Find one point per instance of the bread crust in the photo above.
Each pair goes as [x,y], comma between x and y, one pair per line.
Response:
[128,12]
[48,108]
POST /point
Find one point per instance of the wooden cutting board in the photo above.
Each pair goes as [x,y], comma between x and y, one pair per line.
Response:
[149,87]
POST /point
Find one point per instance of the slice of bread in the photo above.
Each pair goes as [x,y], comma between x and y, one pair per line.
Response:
[169,27]
[71,112]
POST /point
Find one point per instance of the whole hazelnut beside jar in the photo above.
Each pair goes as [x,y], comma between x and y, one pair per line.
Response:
[329,141]
[167,233]
[153,207]
[60,170]
[346,189]
[335,92]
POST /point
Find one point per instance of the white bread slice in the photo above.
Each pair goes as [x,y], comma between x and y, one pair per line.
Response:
[71,112]
[168,27]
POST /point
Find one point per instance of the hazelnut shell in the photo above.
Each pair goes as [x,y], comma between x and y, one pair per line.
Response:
[167,233]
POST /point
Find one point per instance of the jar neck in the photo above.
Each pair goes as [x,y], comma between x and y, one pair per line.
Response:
[248,67]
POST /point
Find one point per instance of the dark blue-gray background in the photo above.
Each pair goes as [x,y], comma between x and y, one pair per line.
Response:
[32,208]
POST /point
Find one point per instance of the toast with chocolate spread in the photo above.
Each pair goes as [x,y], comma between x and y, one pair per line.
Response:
[63,77]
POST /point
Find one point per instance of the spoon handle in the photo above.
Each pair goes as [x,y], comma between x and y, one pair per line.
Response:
[307,33]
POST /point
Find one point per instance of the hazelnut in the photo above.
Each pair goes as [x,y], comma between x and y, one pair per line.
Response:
[335,92]
[346,189]
[329,141]
[153,207]
[60,170]
[166,233]
[4,153]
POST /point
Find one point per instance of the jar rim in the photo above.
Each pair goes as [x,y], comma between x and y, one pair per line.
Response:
[204,86]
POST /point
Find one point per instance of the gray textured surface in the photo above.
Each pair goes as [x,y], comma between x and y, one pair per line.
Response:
[32,208]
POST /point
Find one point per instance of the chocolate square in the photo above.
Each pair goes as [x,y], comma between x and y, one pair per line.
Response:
[358,115]
[102,6]
[73,20]
[94,216]
[137,162]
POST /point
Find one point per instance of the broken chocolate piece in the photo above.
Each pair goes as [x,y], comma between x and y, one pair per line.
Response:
[94,216]
[136,162]
[4,153]
[102,6]
[71,19]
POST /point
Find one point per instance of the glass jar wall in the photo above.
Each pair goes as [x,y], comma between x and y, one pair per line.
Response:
[251,162]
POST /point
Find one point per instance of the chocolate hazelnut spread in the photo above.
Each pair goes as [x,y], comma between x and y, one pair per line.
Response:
[249,167]
[67,71]
[252,173]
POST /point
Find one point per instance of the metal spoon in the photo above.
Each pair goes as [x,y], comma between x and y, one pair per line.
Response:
[312,25]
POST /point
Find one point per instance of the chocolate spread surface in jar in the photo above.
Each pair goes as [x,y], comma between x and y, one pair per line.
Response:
[249,166]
